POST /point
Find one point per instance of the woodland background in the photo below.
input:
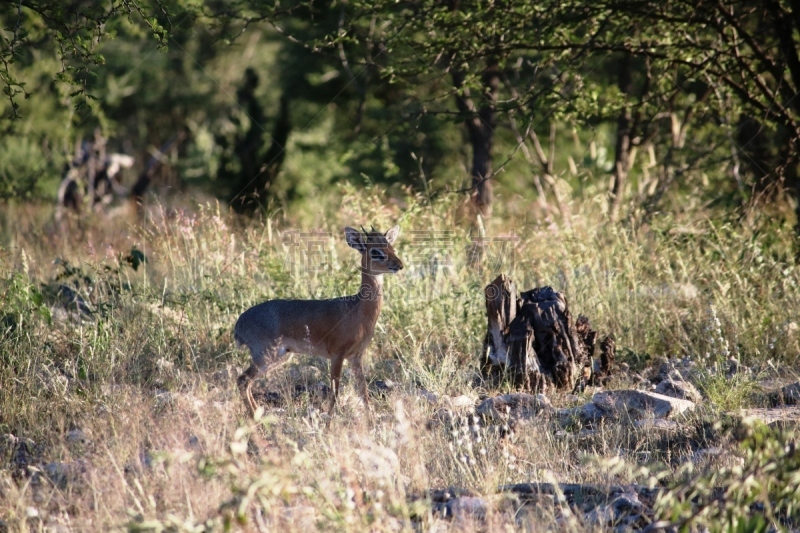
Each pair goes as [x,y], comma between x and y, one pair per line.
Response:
[660,106]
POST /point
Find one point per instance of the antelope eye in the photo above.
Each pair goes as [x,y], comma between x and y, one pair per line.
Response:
[377,254]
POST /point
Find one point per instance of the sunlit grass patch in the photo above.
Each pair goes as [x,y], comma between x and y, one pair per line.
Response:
[148,371]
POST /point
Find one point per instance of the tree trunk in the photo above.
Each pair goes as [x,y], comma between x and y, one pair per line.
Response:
[623,144]
[253,193]
[481,124]
[276,154]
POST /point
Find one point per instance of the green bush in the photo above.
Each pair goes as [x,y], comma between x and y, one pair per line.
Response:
[27,169]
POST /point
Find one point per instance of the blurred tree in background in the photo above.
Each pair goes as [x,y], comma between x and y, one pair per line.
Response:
[651,104]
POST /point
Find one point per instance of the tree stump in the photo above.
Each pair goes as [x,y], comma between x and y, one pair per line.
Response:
[501,308]
[532,341]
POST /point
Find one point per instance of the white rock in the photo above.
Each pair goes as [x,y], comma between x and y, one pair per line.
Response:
[640,404]
[461,402]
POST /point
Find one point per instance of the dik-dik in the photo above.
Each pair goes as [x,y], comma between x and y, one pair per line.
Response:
[338,329]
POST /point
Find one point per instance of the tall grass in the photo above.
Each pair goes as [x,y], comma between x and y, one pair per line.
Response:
[148,376]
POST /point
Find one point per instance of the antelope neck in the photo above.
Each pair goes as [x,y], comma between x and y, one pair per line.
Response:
[370,293]
[371,287]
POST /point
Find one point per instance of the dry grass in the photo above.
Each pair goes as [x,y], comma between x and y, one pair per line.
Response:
[149,376]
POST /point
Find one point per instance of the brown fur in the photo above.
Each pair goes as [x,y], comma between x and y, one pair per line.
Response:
[338,329]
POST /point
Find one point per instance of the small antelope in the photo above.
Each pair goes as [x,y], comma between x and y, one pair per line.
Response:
[338,329]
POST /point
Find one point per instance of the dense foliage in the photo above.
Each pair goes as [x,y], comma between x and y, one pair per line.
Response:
[648,101]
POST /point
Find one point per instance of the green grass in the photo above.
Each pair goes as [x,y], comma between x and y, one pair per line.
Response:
[150,375]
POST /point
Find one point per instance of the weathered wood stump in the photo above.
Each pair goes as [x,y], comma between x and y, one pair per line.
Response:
[532,341]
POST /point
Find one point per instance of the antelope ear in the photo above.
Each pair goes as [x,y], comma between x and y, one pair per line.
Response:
[392,234]
[354,239]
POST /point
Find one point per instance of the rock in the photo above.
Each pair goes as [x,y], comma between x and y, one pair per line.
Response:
[735,367]
[429,396]
[642,383]
[444,418]
[465,507]
[19,454]
[164,399]
[677,369]
[779,417]
[59,473]
[76,436]
[318,388]
[679,389]
[787,395]
[640,404]
[586,494]
[600,516]
[8,443]
[591,413]
[656,423]
[269,398]
[630,514]
[382,386]
[448,493]
[586,414]
[461,402]
[625,504]
[518,406]
[70,300]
